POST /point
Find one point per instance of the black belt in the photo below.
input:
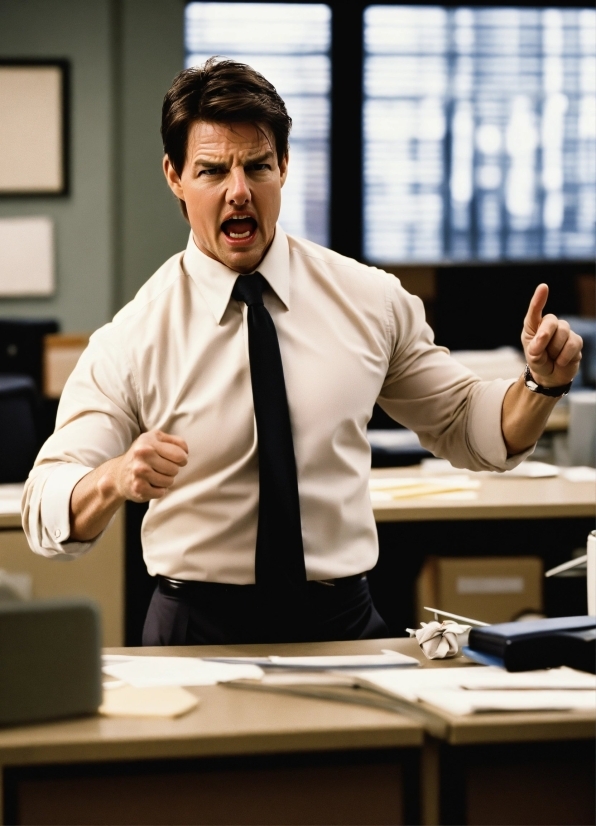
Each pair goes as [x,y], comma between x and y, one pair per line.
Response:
[180,587]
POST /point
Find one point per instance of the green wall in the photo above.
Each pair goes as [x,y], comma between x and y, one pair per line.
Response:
[119,222]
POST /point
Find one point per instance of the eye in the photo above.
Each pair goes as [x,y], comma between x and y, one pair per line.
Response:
[259,167]
[211,171]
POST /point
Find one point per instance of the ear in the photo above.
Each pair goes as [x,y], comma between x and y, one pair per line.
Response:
[283,168]
[172,178]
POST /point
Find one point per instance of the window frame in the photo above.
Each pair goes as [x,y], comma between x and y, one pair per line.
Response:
[346,168]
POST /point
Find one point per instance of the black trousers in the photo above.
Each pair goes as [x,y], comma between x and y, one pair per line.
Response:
[209,613]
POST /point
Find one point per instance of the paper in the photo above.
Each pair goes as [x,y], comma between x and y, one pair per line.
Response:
[531,470]
[10,499]
[410,684]
[405,487]
[567,679]
[143,672]
[473,702]
[26,256]
[161,701]
[441,640]
[372,661]
[579,474]
[309,678]
[386,659]
[527,469]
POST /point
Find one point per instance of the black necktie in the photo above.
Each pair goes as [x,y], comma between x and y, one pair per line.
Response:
[279,565]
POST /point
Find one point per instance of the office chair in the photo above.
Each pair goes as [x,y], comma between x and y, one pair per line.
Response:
[18,427]
[21,346]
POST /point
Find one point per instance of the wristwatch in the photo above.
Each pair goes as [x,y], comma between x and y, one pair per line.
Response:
[553,392]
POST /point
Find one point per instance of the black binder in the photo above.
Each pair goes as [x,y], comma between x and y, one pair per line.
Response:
[546,643]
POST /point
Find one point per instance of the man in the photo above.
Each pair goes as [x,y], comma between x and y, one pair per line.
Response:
[260,525]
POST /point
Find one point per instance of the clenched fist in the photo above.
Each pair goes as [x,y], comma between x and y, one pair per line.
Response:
[150,466]
[146,471]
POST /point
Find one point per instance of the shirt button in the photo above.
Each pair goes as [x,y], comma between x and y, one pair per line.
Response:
[57,533]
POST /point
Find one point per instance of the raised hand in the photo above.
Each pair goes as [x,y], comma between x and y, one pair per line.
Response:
[553,350]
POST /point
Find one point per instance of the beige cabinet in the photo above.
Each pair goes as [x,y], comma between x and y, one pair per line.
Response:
[98,574]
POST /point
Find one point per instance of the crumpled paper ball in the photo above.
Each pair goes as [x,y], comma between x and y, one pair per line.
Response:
[441,640]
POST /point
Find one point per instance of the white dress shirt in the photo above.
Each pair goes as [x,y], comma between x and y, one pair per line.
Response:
[176,359]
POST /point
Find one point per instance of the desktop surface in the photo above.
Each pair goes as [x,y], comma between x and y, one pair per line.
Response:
[247,756]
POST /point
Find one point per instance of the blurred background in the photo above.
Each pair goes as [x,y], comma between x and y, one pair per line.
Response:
[452,145]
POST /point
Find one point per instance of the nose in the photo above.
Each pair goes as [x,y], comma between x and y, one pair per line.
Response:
[238,190]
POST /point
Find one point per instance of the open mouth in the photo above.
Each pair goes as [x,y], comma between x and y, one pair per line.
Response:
[239,228]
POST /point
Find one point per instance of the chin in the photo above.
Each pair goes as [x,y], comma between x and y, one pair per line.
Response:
[243,262]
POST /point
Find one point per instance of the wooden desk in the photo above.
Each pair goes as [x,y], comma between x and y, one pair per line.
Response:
[510,516]
[240,757]
[254,757]
[498,497]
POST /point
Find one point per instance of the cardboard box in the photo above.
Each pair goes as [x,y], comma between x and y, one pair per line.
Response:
[61,353]
[490,589]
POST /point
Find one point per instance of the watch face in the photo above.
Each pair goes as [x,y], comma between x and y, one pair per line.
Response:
[553,392]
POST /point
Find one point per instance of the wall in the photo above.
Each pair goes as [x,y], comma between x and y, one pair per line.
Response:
[119,221]
[152,52]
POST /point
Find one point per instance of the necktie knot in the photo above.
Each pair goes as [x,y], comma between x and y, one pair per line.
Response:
[249,288]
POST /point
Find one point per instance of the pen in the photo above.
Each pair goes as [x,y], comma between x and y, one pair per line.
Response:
[436,611]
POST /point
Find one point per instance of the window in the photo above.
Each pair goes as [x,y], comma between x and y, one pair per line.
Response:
[479,133]
[290,45]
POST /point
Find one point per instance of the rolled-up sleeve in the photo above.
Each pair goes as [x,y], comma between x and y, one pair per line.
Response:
[97,419]
[455,415]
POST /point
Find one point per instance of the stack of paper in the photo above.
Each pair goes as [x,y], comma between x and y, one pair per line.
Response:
[406,487]
[144,672]
[390,675]
[471,690]
[386,659]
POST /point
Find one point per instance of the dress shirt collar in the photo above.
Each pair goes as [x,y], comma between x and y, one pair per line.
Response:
[216,281]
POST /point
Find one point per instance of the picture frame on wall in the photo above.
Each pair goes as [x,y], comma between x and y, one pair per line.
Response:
[34,127]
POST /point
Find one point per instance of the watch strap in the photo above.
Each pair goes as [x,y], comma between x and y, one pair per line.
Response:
[552,392]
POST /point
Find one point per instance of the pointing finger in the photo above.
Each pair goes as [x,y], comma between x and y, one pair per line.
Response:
[537,304]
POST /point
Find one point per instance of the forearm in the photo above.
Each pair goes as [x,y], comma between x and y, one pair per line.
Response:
[94,501]
[524,416]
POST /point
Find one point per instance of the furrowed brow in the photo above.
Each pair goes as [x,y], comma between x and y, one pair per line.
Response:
[266,156]
[207,164]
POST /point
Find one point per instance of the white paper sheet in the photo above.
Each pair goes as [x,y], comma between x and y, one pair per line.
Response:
[580,473]
[26,256]
[390,660]
[143,672]
[411,684]
[385,659]
[10,499]
[461,702]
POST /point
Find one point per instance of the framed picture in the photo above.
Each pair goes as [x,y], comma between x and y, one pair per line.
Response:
[34,127]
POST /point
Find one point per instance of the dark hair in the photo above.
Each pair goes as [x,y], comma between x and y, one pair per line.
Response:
[221,91]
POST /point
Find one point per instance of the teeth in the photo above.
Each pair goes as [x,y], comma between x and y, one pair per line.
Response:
[239,234]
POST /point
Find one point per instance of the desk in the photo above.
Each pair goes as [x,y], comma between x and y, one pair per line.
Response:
[499,497]
[510,517]
[254,757]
